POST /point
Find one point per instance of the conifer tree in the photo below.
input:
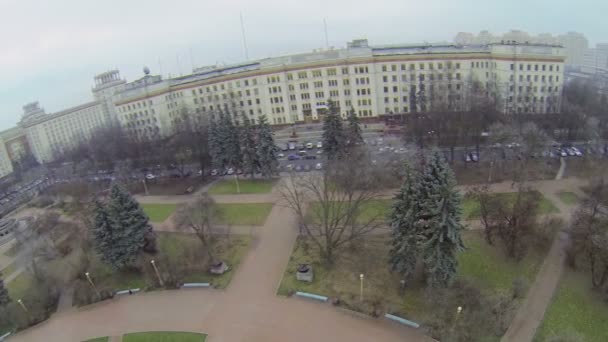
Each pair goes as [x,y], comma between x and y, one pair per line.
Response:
[251,163]
[266,148]
[354,134]
[333,133]
[4,297]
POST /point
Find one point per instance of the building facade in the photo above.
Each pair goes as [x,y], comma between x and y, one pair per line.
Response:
[374,81]
[50,135]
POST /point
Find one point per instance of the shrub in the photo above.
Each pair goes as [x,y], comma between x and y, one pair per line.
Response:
[519,288]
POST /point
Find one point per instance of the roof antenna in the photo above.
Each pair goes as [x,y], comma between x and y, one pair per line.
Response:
[244,38]
[326,38]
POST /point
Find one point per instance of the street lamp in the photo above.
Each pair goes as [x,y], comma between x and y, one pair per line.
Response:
[160,280]
[23,306]
[91,282]
[361,287]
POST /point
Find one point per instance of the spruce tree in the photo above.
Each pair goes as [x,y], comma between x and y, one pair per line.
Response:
[251,163]
[229,140]
[104,237]
[215,144]
[266,148]
[404,250]
[354,135]
[129,229]
[4,297]
[439,222]
[333,134]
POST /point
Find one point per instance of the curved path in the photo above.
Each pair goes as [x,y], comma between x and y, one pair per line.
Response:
[248,310]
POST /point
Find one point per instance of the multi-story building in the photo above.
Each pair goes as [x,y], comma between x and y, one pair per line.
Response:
[49,135]
[575,45]
[375,81]
[595,60]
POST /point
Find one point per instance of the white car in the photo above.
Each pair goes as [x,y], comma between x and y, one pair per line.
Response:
[577,152]
[280,155]
[309,146]
[230,171]
[319,166]
[214,172]
[319,144]
[319,151]
[150,176]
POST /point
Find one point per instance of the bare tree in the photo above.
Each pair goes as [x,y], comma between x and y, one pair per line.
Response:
[200,216]
[590,232]
[333,208]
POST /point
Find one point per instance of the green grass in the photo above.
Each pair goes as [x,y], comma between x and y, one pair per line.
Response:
[241,214]
[576,309]
[484,266]
[374,209]
[158,212]
[8,270]
[470,206]
[489,268]
[99,339]
[569,198]
[247,186]
[164,336]
[18,287]
[176,245]
[105,278]
[11,252]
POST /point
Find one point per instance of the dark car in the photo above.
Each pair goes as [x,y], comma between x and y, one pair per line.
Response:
[310,157]
[293,157]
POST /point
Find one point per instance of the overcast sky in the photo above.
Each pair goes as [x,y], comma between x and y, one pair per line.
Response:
[51,49]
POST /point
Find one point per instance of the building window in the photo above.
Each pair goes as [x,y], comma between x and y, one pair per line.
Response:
[345,71]
[331,72]
[316,73]
[384,79]
[302,74]
[384,68]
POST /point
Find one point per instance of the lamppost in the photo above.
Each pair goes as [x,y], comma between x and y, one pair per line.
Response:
[23,306]
[361,287]
[160,280]
[91,282]
[145,186]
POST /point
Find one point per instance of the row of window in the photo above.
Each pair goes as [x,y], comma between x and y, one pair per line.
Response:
[536,67]
[529,78]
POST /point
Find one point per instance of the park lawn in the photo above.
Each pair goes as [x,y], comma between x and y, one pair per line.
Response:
[99,339]
[470,206]
[373,209]
[569,198]
[490,268]
[480,264]
[164,336]
[111,280]
[243,214]
[8,270]
[575,309]
[18,287]
[231,251]
[158,212]
[247,186]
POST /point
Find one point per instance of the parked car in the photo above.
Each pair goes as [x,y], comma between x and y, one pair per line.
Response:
[280,155]
[289,167]
[214,172]
[319,144]
[230,171]
[467,158]
[302,152]
[561,152]
[309,146]
[474,157]
[292,146]
[570,152]
[319,151]
[293,157]
[576,151]
[319,166]
[310,157]
[149,176]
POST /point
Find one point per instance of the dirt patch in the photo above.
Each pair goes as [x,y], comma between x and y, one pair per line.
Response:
[476,173]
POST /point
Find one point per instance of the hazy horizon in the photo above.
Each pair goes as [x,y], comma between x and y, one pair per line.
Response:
[51,51]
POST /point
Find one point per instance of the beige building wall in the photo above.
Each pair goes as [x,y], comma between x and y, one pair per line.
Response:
[375,81]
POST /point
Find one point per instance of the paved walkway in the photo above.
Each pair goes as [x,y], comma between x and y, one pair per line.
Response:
[531,312]
[248,310]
